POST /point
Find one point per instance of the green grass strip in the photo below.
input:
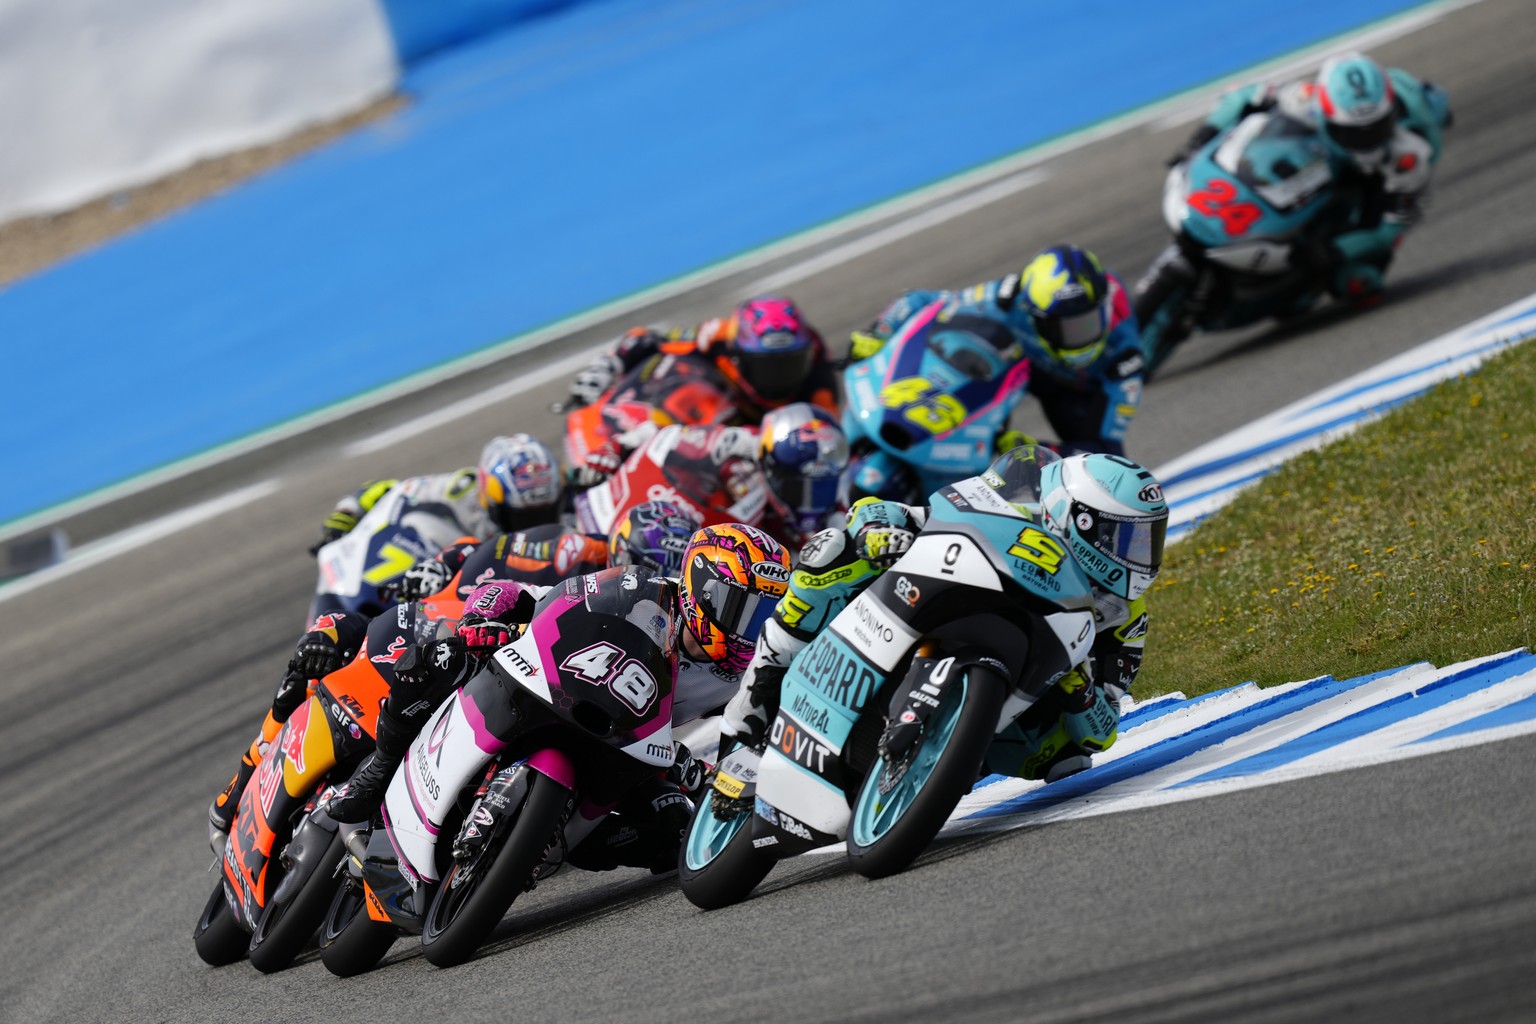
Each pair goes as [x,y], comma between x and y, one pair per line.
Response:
[1412,539]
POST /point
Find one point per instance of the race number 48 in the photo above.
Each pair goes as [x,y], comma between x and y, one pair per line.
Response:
[632,683]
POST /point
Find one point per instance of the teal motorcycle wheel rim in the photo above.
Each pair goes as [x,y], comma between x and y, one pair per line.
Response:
[875,814]
[709,836]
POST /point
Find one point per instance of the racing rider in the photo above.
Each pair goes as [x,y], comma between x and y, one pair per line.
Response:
[515,485]
[1384,129]
[1072,320]
[764,347]
[731,577]
[1109,512]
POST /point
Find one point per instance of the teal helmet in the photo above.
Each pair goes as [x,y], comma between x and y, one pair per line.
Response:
[1066,294]
[1356,106]
[1111,514]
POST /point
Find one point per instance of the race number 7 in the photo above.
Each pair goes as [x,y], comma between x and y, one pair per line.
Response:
[1216,200]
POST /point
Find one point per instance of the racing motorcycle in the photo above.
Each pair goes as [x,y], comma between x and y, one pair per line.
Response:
[663,389]
[927,408]
[513,771]
[358,570]
[1241,208]
[885,717]
[677,464]
[279,862]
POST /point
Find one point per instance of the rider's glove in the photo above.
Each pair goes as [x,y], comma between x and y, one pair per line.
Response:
[490,613]
[423,580]
[338,524]
[733,443]
[316,655]
[600,463]
[863,344]
[688,772]
[484,635]
[882,531]
[883,545]
[1008,440]
[591,382]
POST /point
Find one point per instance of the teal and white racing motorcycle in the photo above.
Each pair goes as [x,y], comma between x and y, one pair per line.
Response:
[885,717]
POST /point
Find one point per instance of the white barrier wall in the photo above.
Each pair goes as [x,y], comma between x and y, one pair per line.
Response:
[98,95]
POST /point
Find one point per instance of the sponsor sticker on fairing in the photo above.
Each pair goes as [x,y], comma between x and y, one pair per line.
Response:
[873,631]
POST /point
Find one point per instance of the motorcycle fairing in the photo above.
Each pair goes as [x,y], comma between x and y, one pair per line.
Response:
[934,397]
[967,551]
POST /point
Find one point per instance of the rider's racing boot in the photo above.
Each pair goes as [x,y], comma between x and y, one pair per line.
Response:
[221,813]
[365,790]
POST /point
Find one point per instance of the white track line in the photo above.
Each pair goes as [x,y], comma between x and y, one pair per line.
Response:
[993,182]
[475,403]
[911,226]
[147,533]
[1148,116]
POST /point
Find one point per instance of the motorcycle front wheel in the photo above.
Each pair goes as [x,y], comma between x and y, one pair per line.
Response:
[476,893]
[901,808]
[218,936]
[284,927]
[717,864]
[351,942]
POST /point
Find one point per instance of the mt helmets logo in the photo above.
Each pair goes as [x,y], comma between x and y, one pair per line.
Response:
[770,571]
[1151,493]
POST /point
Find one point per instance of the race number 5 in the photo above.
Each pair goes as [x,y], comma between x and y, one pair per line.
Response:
[1038,549]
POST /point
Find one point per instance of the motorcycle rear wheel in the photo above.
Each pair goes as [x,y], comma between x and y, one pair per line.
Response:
[351,942]
[717,864]
[476,894]
[284,928]
[218,936]
[889,830]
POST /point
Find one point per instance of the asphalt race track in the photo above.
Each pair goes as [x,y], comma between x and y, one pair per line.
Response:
[1404,893]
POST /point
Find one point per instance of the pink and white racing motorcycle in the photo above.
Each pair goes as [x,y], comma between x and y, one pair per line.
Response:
[514,769]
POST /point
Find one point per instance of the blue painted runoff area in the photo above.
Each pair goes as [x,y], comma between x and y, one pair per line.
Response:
[589,153]
[1510,714]
[1436,692]
[422,27]
[1432,696]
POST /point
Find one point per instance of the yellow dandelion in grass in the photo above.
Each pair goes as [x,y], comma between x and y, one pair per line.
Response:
[1276,590]
[1388,551]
